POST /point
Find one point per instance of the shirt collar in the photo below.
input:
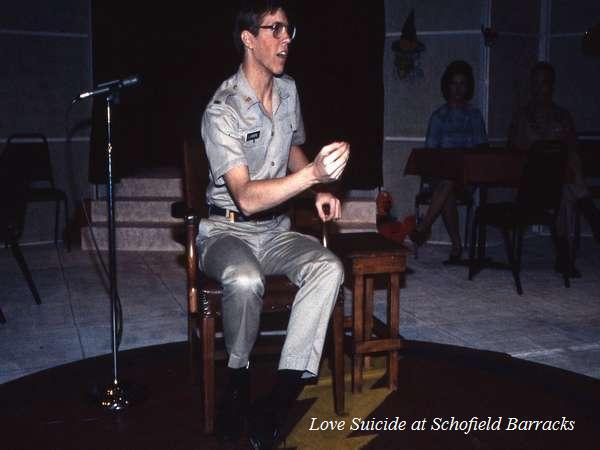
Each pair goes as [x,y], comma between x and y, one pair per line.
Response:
[249,96]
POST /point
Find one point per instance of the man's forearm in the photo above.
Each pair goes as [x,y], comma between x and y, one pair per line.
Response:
[259,195]
[253,196]
[297,160]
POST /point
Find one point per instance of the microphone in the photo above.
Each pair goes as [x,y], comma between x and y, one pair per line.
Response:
[109,86]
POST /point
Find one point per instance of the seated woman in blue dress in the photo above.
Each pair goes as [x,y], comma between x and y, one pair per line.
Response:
[456,124]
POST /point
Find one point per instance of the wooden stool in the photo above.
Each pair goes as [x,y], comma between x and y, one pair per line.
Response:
[365,255]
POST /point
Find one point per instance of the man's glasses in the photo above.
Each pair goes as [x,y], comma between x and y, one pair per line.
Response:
[278,27]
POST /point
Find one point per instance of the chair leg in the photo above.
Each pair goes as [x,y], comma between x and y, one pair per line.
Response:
[67,232]
[564,250]
[193,367]
[417,222]
[338,358]
[519,246]
[508,245]
[473,246]
[16,251]
[56,217]
[2,318]
[467,226]
[208,373]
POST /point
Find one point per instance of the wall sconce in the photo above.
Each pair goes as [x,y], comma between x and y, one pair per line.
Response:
[407,51]
[489,36]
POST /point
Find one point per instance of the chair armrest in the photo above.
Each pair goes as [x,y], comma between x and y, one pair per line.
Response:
[180,210]
[191,261]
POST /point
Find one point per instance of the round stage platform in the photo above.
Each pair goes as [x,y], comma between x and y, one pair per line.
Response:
[448,397]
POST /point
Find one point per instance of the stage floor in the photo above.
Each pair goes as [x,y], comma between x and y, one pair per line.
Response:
[54,409]
[549,324]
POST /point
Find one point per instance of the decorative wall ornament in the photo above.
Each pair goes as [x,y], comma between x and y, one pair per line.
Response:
[489,36]
[407,51]
[590,43]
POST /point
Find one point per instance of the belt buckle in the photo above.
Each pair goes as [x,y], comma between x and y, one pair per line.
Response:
[230,216]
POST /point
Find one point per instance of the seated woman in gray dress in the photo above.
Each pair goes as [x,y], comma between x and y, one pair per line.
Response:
[543,120]
[456,124]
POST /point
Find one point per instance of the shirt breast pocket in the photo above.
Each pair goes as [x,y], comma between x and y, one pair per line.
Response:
[253,138]
[254,145]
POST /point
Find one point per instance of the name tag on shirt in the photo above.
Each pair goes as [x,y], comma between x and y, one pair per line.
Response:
[251,137]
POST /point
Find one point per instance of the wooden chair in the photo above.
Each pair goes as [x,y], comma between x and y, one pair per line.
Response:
[204,294]
[537,203]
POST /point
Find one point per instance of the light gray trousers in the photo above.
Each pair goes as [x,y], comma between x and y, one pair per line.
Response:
[239,255]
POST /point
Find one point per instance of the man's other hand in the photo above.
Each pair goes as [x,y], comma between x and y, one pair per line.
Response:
[334,209]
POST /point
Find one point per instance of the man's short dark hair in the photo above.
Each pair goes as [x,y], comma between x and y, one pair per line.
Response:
[250,16]
[455,68]
[543,66]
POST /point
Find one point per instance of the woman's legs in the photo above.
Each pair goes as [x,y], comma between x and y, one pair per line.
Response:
[450,216]
[443,201]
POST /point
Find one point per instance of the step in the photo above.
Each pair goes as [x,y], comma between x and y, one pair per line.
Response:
[149,187]
[363,210]
[352,227]
[136,209]
[135,236]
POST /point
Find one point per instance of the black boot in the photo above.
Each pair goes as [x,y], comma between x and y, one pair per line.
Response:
[235,404]
[269,413]
[591,214]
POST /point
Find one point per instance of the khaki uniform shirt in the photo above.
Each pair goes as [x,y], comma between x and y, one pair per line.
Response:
[237,131]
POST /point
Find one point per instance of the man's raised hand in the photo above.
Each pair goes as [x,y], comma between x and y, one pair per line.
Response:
[330,162]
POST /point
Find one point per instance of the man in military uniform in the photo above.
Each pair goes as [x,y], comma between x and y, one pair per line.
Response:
[252,130]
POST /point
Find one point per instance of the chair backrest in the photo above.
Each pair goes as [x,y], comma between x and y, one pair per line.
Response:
[15,180]
[543,176]
[33,150]
[195,176]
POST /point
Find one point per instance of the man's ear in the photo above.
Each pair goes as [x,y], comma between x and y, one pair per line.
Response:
[247,39]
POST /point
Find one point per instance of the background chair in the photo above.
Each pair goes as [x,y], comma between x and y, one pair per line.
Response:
[15,178]
[34,151]
[537,203]
[424,196]
[588,144]
[204,294]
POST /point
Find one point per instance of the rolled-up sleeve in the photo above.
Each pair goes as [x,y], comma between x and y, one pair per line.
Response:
[299,136]
[222,140]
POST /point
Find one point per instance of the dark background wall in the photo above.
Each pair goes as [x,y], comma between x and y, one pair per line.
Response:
[46,49]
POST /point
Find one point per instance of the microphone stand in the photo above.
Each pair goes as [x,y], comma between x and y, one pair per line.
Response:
[115,396]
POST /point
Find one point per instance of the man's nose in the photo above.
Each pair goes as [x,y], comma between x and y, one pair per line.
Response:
[285,35]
